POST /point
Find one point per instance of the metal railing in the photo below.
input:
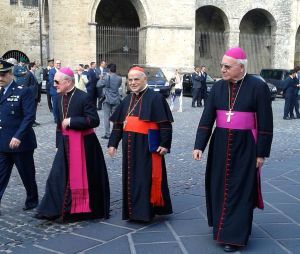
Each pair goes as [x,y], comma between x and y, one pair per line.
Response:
[210,48]
[119,45]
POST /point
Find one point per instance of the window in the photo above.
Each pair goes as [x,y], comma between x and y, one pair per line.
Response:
[13,2]
[31,3]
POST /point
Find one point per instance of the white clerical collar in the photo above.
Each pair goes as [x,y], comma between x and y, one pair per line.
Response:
[142,90]
[236,81]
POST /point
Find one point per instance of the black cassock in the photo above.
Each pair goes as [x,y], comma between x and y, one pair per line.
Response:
[57,199]
[231,182]
[137,165]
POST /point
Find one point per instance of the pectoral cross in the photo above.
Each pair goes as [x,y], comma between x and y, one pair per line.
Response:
[229,114]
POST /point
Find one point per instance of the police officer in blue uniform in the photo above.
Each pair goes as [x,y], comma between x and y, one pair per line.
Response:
[17,138]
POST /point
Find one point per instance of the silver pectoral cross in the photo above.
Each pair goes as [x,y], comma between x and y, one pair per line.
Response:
[229,114]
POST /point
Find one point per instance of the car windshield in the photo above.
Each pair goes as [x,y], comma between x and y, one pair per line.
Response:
[259,77]
[154,73]
[271,74]
[209,79]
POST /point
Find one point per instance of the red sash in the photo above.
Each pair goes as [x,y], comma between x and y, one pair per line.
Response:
[134,124]
[77,171]
[242,121]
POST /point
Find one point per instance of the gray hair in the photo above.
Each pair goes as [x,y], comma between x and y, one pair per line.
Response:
[243,62]
[67,77]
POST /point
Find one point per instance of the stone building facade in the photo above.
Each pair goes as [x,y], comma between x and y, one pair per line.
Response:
[180,35]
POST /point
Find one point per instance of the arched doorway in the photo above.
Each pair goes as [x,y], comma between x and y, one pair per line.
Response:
[210,39]
[16,54]
[297,48]
[256,29]
[117,33]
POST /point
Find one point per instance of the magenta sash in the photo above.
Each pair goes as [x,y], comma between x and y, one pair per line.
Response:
[77,171]
[242,121]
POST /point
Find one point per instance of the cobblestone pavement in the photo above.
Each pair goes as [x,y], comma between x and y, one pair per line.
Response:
[275,230]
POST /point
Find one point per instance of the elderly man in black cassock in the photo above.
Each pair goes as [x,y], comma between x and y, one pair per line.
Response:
[143,122]
[77,186]
[240,104]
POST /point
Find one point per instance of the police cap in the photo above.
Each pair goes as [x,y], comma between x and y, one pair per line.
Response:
[5,66]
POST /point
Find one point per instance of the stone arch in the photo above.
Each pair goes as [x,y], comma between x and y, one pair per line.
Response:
[257,33]
[211,27]
[297,48]
[119,38]
[16,54]
[140,7]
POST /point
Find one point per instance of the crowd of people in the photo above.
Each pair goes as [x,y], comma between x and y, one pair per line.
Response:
[78,185]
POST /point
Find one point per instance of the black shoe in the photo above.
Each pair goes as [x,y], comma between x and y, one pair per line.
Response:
[193,106]
[292,117]
[298,117]
[287,118]
[40,216]
[105,137]
[29,207]
[230,248]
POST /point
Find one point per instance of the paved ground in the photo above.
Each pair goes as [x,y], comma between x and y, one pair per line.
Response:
[275,230]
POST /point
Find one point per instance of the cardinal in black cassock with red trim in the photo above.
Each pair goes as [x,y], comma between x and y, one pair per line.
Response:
[240,105]
[77,186]
[145,187]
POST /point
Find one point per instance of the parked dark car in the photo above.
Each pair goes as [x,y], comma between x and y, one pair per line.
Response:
[157,81]
[273,89]
[187,84]
[275,77]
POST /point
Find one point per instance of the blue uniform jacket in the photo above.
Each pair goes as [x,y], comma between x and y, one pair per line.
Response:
[17,114]
[51,82]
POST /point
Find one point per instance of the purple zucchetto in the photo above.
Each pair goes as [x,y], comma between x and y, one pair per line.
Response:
[236,53]
[67,71]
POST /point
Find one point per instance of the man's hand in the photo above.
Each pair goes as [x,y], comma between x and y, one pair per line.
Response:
[14,143]
[197,154]
[259,162]
[66,123]
[161,150]
[112,151]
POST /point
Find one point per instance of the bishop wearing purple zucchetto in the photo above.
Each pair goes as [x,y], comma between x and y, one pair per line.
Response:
[240,105]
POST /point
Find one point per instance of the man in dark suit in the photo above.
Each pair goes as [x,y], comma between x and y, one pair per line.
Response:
[203,85]
[53,92]
[46,78]
[17,138]
[91,85]
[289,90]
[197,84]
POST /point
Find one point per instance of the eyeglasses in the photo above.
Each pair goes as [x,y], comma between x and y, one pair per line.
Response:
[58,63]
[56,82]
[227,66]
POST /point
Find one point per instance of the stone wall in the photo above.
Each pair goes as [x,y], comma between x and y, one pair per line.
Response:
[19,30]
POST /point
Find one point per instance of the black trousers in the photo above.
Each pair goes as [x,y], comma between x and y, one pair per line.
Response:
[196,96]
[49,102]
[297,105]
[25,166]
[289,105]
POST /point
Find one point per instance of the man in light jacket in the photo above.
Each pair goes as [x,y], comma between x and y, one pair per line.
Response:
[112,83]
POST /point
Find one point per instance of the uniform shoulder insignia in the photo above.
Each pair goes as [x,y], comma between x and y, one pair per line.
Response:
[20,87]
